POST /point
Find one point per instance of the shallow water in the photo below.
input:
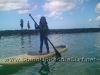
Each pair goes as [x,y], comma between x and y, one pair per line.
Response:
[80,45]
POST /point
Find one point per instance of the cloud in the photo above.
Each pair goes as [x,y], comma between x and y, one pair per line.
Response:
[58,17]
[34,7]
[97,9]
[71,13]
[82,9]
[38,16]
[60,6]
[98,18]
[24,11]
[90,20]
[55,15]
[21,6]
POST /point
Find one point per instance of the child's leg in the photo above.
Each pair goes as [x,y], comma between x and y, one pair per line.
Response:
[46,43]
[41,43]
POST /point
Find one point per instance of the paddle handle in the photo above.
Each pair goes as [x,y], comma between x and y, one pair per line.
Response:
[34,21]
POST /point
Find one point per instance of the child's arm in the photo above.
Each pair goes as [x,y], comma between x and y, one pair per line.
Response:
[36,27]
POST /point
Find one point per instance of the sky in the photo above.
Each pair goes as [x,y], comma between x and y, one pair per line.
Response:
[60,14]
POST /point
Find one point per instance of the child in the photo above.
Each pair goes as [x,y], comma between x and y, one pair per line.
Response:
[43,33]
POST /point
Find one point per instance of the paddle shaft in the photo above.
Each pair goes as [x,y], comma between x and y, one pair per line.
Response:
[57,53]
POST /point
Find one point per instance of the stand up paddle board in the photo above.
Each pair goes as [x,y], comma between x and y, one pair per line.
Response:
[28,58]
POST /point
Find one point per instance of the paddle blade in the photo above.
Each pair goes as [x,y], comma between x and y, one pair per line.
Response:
[57,53]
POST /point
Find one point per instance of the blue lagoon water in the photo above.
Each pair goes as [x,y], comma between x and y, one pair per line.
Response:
[80,45]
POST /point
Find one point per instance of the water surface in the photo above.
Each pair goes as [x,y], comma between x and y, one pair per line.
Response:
[80,45]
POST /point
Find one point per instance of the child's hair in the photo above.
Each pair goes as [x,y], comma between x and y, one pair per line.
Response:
[44,19]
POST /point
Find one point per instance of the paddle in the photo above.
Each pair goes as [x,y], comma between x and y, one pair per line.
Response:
[57,53]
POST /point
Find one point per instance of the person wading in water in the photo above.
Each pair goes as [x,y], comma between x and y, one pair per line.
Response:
[21,23]
[28,25]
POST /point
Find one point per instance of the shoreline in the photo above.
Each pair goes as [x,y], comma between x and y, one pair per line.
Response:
[51,31]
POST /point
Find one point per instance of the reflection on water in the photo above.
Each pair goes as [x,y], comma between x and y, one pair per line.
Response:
[44,70]
[22,41]
[29,41]
[25,43]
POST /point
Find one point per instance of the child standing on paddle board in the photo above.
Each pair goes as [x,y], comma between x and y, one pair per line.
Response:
[43,33]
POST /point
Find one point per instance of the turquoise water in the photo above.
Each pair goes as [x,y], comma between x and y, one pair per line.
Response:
[80,45]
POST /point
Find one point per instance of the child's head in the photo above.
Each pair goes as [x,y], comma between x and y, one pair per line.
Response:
[43,20]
